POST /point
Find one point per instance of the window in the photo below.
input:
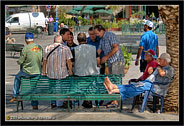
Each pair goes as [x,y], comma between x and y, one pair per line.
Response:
[14,20]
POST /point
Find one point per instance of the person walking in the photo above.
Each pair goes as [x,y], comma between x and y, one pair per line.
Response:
[57,60]
[30,61]
[113,55]
[149,40]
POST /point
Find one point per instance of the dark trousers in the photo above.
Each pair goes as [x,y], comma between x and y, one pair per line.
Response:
[143,64]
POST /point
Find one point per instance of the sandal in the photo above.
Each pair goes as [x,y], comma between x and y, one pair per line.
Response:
[112,106]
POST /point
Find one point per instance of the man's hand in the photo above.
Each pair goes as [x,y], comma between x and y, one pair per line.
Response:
[136,62]
[150,70]
[44,74]
[104,59]
[161,72]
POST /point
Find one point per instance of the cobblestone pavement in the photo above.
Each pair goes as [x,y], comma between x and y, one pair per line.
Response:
[80,113]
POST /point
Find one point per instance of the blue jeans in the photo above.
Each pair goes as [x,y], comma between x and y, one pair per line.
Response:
[17,84]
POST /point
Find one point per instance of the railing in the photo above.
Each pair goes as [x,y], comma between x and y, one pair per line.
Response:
[78,29]
[139,28]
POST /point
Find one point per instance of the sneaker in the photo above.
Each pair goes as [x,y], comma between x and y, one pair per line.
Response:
[35,107]
[65,105]
[87,104]
[12,100]
[53,106]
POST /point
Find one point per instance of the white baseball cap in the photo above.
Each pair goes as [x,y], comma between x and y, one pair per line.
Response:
[148,23]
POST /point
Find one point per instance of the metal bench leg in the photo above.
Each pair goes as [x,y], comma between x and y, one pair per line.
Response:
[162,104]
[133,104]
[154,103]
[22,105]
[68,106]
[144,101]
[121,105]
[17,106]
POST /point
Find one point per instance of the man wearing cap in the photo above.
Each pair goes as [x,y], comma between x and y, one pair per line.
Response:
[30,62]
[151,66]
[149,40]
[163,75]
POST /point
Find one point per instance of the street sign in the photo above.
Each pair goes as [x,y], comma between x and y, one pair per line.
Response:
[48,7]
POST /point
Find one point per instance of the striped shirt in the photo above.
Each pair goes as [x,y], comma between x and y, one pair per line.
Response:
[106,43]
[57,61]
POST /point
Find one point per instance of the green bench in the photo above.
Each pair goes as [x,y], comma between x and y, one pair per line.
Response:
[72,88]
[14,48]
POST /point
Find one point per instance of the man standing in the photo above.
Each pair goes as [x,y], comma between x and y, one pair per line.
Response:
[46,23]
[57,58]
[149,40]
[86,61]
[112,51]
[70,42]
[65,33]
[51,19]
[30,61]
[95,41]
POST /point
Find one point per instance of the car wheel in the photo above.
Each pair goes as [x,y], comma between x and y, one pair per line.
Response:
[39,29]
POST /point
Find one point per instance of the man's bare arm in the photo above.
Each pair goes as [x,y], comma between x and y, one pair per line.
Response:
[44,67]
[69,64]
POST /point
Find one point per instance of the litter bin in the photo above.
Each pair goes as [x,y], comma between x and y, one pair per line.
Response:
[51,28]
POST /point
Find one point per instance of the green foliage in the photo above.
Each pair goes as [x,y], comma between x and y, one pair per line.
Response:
[114,25]
[98,21]
[106,25]
[122,22]
[79,18]
[71,23]
[85,21]
[127,56]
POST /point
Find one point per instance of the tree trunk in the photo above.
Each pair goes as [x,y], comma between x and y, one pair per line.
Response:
[170,17]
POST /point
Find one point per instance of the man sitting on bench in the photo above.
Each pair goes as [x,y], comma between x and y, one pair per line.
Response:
[163,74]
[30,60]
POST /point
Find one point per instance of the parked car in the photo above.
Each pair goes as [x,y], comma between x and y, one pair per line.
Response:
[23,21]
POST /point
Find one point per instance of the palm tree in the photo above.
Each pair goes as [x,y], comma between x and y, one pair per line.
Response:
[170,17]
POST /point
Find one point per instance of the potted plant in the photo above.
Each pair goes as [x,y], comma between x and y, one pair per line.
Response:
[127,58]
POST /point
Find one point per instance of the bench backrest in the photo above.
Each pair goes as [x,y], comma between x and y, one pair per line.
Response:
[71,85]
[14,47]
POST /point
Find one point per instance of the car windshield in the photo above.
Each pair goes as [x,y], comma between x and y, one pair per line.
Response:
[8,18]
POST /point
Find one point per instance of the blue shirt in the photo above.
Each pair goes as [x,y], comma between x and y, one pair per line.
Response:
[149,40]
[106,43]
[96,44]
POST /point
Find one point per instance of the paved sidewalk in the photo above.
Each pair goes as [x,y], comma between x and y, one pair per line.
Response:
[101,114]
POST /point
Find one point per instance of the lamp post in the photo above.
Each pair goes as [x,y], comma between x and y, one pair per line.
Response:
[57,19]
[145,12]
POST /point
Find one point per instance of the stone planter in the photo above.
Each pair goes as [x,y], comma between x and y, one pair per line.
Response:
[115,29]
[125,70]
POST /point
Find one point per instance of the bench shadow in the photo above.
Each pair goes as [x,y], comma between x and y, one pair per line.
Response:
[131,114]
